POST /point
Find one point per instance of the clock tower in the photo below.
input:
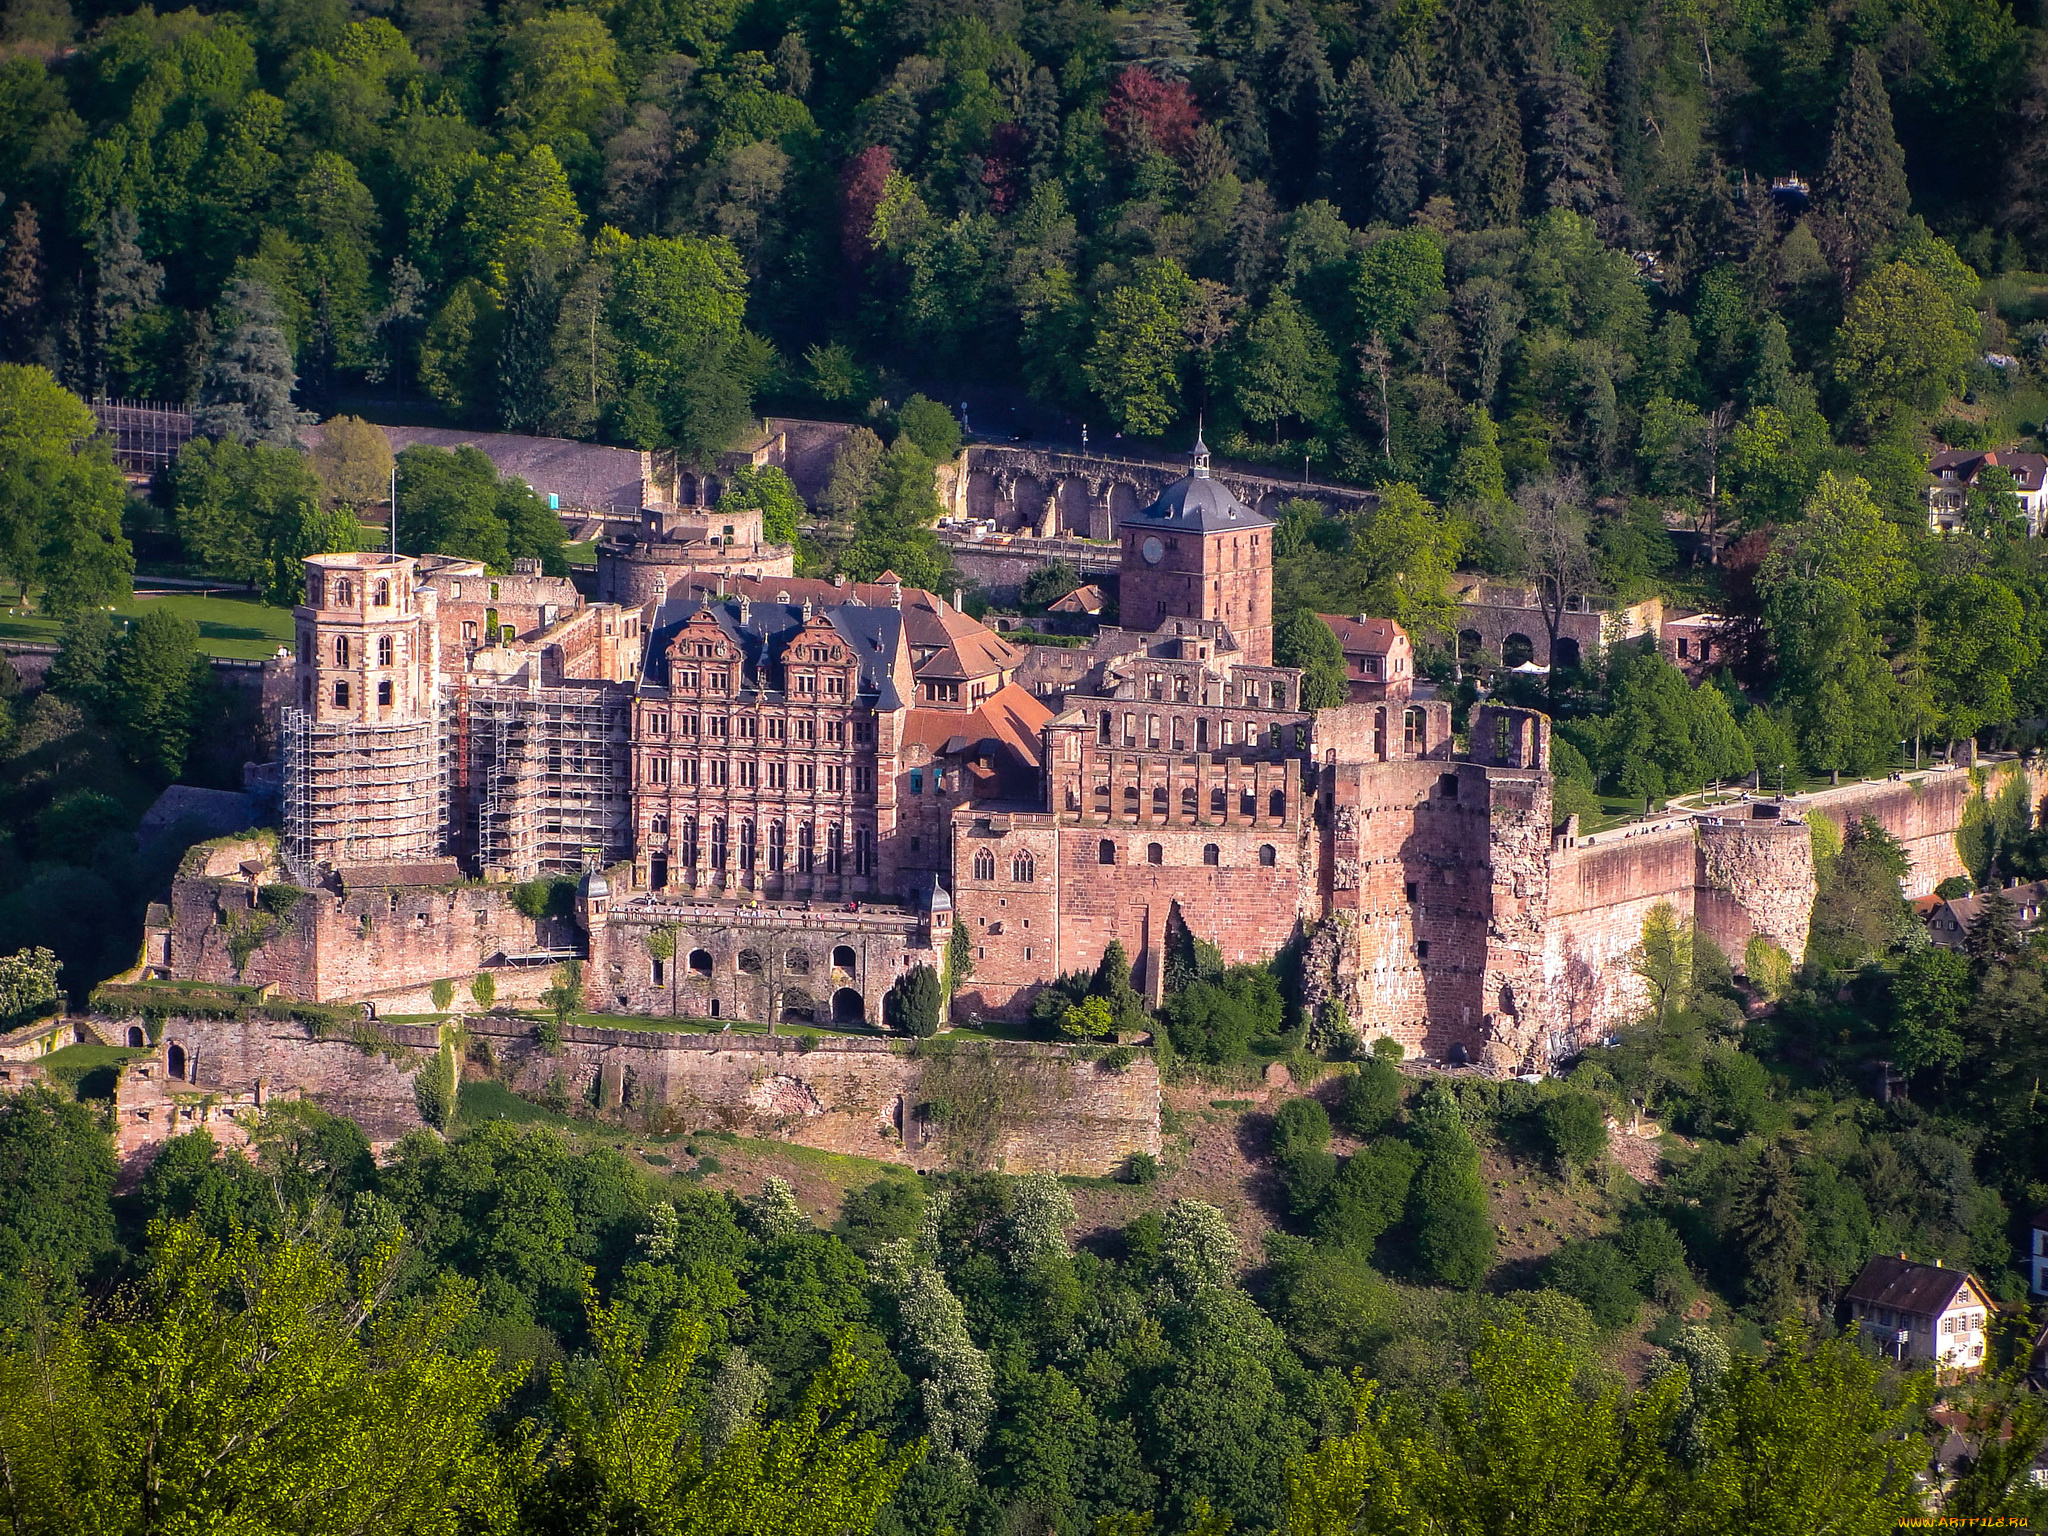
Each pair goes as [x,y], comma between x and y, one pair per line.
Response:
[1200,553]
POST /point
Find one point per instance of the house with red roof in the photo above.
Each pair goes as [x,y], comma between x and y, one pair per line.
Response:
[1379,660]
[1922,1314]
[1952,471]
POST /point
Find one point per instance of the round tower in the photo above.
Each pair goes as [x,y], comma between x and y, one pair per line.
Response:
[363,776]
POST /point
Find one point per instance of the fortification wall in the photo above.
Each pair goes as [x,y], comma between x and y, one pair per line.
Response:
[871,1098]
[1600,893]
[1925,813]
[1755,878]
[367,943]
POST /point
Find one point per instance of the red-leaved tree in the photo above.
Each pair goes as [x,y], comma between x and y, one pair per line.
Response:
[1145,112]
[867,180]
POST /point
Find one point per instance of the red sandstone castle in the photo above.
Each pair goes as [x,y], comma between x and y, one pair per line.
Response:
[782,792]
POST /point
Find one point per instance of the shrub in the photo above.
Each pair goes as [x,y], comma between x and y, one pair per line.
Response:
[1600,1275]
[913,1004]
[1448,1203]
[1574,1129]
[1118,1058]
[1370,1098]
[1300,1126]
[1388,1048]
[1140,1168]
[1367,1196]
[280,900]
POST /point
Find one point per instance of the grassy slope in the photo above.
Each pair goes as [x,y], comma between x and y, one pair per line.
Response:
[228,626]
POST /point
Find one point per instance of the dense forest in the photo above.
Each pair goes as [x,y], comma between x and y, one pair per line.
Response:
[1612,300]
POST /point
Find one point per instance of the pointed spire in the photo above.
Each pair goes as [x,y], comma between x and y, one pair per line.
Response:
[1201,452]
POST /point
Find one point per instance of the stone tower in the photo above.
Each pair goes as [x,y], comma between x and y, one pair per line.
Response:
[1200,553]
[364,777]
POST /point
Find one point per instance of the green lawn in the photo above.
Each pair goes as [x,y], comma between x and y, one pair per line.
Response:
[89,1070]
[228,626]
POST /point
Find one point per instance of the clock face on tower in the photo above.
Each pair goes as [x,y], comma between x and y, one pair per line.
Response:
[1152,549]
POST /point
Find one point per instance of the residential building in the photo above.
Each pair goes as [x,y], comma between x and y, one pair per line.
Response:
[1922,1314]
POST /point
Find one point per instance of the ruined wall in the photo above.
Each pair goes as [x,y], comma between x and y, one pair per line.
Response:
[1600,893]
[1925,813]
[1755,878]
[855,1096]
[360,944]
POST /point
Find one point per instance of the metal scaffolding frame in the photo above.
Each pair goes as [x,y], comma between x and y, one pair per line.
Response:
[551,773]
[357,793]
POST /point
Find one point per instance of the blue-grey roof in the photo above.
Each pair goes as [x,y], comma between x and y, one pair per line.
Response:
[872,634]
[1197,504]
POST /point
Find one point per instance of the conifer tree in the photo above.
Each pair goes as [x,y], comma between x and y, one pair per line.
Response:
[247,391]
[21,285]
[1863,190]
[1572,164]
[1397,182]
[1769,1226]
[126,283]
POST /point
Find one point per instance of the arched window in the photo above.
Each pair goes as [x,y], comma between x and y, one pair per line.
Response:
[1211,855]
[1276,805]
[1279,695]
[1159,799]
[1105,852]
[1219,800]
[1131,798]
[700,962]
[778,845]
[1247,802]
[1023,869]
[174,1061]
[1154,854]
[384,693]
[1268,854]
[341,650]
[1187,799]
[381,594]
[747,845]
[385,650]
[984,865]
[1411,730]
[344,591]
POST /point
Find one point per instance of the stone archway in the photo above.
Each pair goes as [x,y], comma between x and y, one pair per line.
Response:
[849,1007]
[1124,500]
[1076,508]
[797,1007]
[984,495]
[136,1036]
[1027,502]
[174,1062]
[1517,650]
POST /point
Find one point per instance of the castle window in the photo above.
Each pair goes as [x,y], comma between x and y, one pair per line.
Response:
[806,848]
[686,678]
[341,650]
[1273,737]
[1411,730]
[344,592]
[747,845]
[1279,695]
[776,730]
[834,842]
[384,694]
[1447,785]
[718,843]
[1251,694]
[1268,855]
[1102,794]
[1102,729]
[469,631]
[1105,852]
[1409,890]
[1180,734]
[778,775]
[658,827]
[686,771]
[381,594]
[1154,854]
[341,695]
[1180,689]
[1422,949]
[778,846]
[657,770]
[715,681]
[917,781]
[1219,801]
[386,648]
[1202,734]
[1155,686]
[1159,799]
[657,873]
[1023,869]
[1131,799]
[1130,730]
[316,590]
[1248,802]
[1211,855]
[1073,798]
[806,776]
[1152,731]
[984,865]
[1187,799]
[835,685]
[689,842]
[1276,805]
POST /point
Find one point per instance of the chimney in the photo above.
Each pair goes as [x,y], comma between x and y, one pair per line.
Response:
[745,608]
[956,597]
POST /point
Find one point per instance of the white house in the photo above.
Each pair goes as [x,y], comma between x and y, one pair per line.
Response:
[1953,471]
[1922,1313]
[2037,1256]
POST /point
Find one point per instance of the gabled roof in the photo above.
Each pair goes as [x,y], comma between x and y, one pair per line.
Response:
[1197,504]
[1372,637]
[1900,1285]
[1083,599]
[760,631]
[2028,470]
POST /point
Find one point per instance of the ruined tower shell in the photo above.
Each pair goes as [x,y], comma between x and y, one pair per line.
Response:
[365,777]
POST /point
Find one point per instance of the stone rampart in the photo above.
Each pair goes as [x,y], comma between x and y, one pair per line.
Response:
[871,1098]
[1754,879]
